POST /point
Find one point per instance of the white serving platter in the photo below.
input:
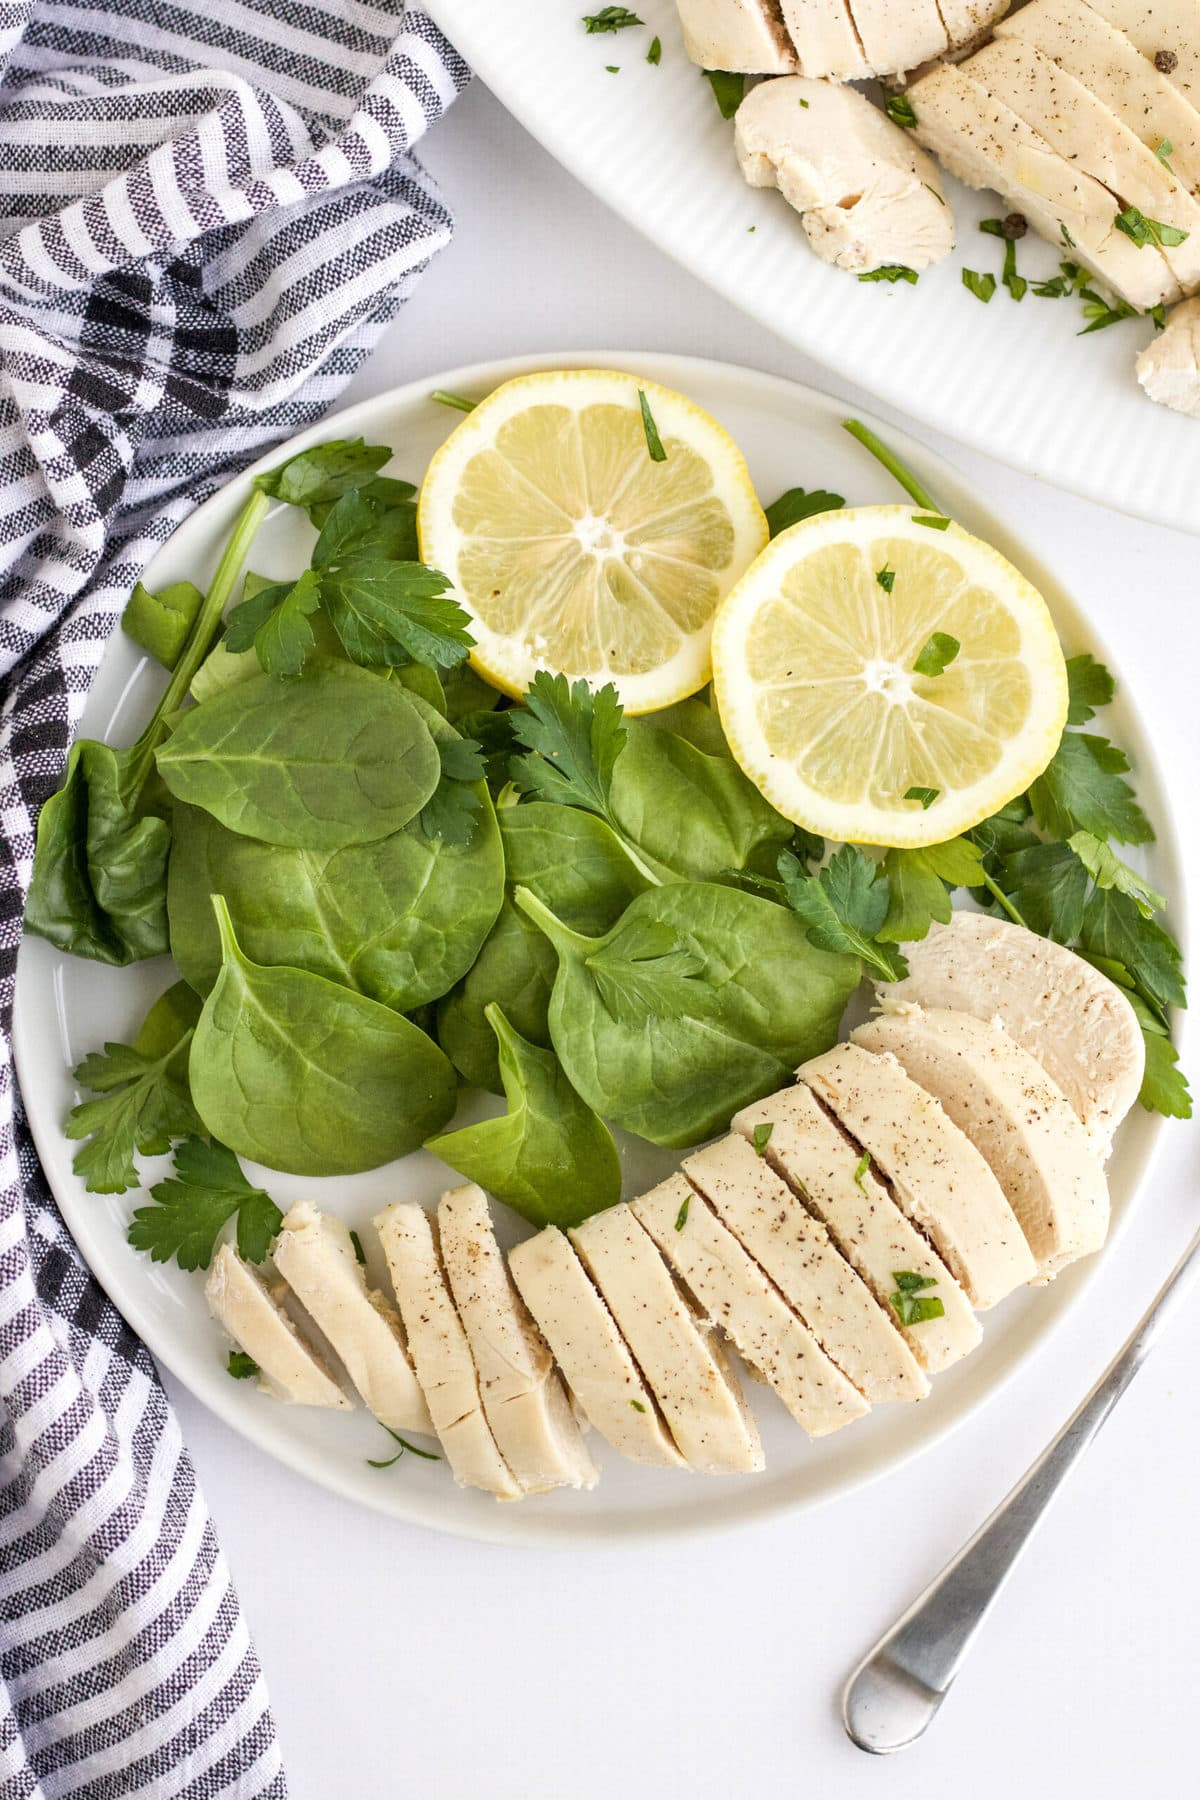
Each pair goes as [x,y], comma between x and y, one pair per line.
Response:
[65,1007]
[1012,380]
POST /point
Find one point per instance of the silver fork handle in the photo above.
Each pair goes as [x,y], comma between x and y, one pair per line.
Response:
[895,1692]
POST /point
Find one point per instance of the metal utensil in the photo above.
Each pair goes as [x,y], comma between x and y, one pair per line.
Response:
[895,1692]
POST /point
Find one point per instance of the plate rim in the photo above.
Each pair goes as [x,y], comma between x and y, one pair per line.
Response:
[467,26]
[740,1508]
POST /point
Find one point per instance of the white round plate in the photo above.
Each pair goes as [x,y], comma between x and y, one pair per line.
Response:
[792,436]
[1013,380]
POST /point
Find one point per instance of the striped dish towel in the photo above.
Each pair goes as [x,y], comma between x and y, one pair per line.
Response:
[208,212]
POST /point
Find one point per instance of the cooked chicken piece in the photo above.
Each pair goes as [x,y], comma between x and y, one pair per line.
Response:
[288,1368]
[1090,137]
[315,1255]
[736,1295]
[822,1167]
[1104,60]
[936,1173]
[590,1351]
[745,36]
[524,1399]
[1017,1119]
[981,140]
[440,1352]
[794,1249]
[1169,367]
[1165,31]
[1074,1020]
[700,1397]
[899,34]
[866,194]
[825,39]
[967,21]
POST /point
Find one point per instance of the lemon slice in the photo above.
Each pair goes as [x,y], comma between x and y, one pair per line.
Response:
[819,693]
[573,550]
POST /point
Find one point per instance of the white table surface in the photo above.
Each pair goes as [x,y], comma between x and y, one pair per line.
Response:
[402,1663]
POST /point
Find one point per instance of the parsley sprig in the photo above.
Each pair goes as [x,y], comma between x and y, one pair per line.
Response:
[191,1209]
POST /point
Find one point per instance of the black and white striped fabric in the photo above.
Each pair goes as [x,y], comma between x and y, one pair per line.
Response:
[208,212]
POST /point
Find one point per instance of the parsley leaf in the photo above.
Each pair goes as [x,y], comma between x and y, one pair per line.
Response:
[285,637]
[843,907]
[1108,871]
[982,286]
[144,1100]
[1048,885]
[681,1217]
[362,524]
[910,1305]
[937,654]
[241,1366]
[797,504]
[453,809]
[1162,150]
[654,443]
[727,90]
[391,613]
[1090,687]
[1082,789]
[207,1189]
[388,1462]
[1114,927]
[892,272]
[760,1137]
[1164,1085]
[654,53]
[899,109]
[323,474]
[1143,231]
[575,736]
[862,1170]
[925,795]
[919,886]
[886,578]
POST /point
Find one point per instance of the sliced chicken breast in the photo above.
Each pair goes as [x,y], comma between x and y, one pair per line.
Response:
[736,1295]
[967,21]
[315,1255]
[524,1399]
[936,1173]
[1165,32]
[1169,367]
[1090,137]
[899,34]
[288,1368]
[747,37]
[1019,1121]
[979,138]
[593,1356]
[865,192]
[440,1352]
[700,1396]
[822,1168]
[1074,1020]
[1111,67]
[795,1251]
[825,39]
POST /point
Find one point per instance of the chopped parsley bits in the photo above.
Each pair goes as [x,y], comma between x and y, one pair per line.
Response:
[1163,150]
[360,1255]
[863,1169]
[934,521]
[982,286]
[886,578]
[909,1303]
[937,654]
[681,1217]
[761,1136]
[241,1366]
[1142,231]
[637,1406]
[386,1463]
[727,90]
[653,442]
[925,795]
[892,272]
[899,109]
[456,401]
[610,18]
[654,53]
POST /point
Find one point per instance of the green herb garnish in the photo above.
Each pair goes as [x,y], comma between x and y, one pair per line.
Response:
[190,1209]
[938,652]
[1142,231]
[886,577]
[653,441]
[456,402]
[681,1217]
[899,109]
[360,1255]
[610,18]
[241,1366]
[926,795]
[892,272]
[982,286]
[797,504]
[910,1308]
[861,1170]
[760,1137]
[412,1450]
[654,53]
[727,90]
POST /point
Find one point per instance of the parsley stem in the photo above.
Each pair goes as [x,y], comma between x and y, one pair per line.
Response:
[892,464]
[445,398]
[998,894]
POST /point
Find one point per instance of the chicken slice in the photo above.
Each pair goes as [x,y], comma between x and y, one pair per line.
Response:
[747,37]
[1107,64]
[440,1352]
[1166,32]
[524,1399]
[981,139]
[288,1368]
[936,1173]
[1085,133]
[967,21]
[825,39]
[1017,1119]
[1075,1021]
[735,1294]
[865,192]
[820,1164]
[899,34]
[315,1255]
[700,1396]
[1169,367]
[590,1351]
[795,1250]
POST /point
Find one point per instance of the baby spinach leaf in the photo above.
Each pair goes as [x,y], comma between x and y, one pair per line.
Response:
[737,997]
[161,623]
[307,1076]
[400,920]
[190,1209]
[143,1100]
[549,1157]
[576,865]
[334,757]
